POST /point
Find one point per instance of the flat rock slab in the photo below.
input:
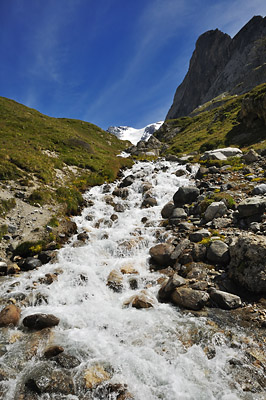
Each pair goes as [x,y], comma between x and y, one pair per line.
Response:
[218,153]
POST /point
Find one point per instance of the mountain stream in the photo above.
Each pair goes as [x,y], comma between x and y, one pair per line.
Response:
[158,352]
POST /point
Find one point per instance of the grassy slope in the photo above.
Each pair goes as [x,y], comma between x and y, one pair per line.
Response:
[214,128]
[33,146]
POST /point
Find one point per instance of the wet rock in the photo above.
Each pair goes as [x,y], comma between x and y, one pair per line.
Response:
[95,375]
[128,270]
[149,202]
[169,286]
[44,378]
[121,192]
[53,351]
[189,298]
[10,315]
[67,361]
[128,181]
[83,236]
[119,208]
[259,189]
[225,300]
[186,195]
[40,321]
[45,257]
[180,172]
[167,210]
[248,262]
[106,188]
[215,210]
[140,300]
[30,263]
[251,156]
[161,254]
[114,217]
[197,236]
[218,253]
[115,280]
[114,391]
[252,206]
[146,187]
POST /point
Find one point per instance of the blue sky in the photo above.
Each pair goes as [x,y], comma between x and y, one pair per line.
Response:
[109,62]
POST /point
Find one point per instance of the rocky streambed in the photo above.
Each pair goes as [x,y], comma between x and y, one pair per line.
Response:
[159,295]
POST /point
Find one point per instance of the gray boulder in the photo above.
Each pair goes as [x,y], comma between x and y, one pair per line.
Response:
[179,213]
[186,195]
[259,189]
[215,210]
[248,262]
[218,253]
[221,154]
[189,298]
[224,300]
[251,156]
[252,206]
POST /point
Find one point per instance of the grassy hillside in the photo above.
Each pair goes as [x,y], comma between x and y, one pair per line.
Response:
[59,157]
[221,122]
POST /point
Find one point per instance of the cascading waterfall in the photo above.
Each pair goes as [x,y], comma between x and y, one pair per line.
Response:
[149,350]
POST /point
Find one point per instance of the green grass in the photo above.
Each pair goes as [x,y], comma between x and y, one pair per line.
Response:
[33,146]
[218,127]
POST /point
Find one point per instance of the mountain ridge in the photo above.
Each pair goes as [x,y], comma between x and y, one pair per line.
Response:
[221,64]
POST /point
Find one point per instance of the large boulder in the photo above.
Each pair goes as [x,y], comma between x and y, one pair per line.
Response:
[189,298]
[252,206]
[259,189]
[186,195]
[161,254]
[221,154]
[218,253]
[215,210]
[248,262]
[9,315]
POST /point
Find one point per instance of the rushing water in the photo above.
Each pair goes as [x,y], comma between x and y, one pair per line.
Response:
[149,350]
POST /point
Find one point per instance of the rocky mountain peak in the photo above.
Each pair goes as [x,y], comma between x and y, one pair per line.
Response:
[221,64]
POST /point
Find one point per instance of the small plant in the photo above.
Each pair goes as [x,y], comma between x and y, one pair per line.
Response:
[6,206]
[29,249]
[3,231]
[54,223]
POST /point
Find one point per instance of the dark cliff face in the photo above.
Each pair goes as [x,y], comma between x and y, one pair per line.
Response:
[220,64]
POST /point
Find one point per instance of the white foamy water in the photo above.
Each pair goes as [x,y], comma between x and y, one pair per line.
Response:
[149,350]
